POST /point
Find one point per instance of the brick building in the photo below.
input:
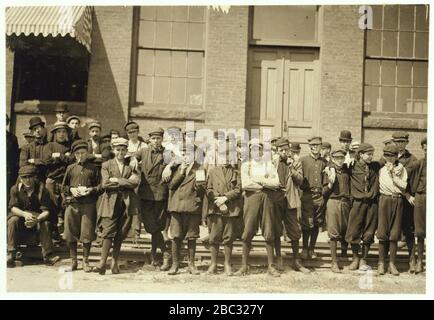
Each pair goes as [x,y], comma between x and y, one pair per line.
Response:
[298,70]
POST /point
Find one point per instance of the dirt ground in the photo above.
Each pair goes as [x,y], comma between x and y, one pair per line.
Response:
[132,279]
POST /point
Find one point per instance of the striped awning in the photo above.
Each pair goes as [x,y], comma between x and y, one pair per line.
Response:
[73,20]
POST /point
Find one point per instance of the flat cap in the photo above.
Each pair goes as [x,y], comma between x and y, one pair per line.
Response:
[79,144]
[27,170]
[35,121]
[156,132]
[326,145]
[106,137]
[282,142]
[423,141]
[119,142]
[345,135]
[72,118]
[338,153]
[28,134]
[274,140]
[255,142]
[61,107]
[354,146]
[315,141]
[366,147]
[95,124]
[390,150]
[295,146]
[131,126]
[59,125]
[400,136]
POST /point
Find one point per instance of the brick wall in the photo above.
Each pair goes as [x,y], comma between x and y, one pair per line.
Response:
[109,73]
[341,73]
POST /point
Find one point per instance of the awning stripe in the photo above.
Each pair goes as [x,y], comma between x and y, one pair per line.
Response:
[62,20]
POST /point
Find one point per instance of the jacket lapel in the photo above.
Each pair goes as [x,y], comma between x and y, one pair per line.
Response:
[191,175]
[220,175]
[156,160]
[115,168]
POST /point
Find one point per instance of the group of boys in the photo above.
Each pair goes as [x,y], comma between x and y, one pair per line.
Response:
[107,185]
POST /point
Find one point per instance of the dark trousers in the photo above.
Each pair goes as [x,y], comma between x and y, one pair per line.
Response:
[312,210]
[420,215]
[288,217]
[153,215]
[337,213]
[407,219]
[18,234]
[56,209]
[362,221]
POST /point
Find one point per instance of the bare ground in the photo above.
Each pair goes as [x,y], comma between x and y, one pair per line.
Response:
[40,278]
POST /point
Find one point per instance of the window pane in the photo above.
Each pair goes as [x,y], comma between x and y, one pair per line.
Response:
[391,17]
[420,100]
[390,43]
[162,37]
[421,49]
[164,13]
[146,62]
[144,89]
[377,16]
[422,19]
[373,45]
[388,72]
[147,12]
[403,99]
[388,99]
[162,63]
[406,18]
[404,73]
[371,98]
[406,44]
[420,73]
[372,71]
[146,33]
[179,64]
[194,91]
[197,13]
[195,64]
[161,89]
[180,13]
[180,32]
[195,35]
[177,90]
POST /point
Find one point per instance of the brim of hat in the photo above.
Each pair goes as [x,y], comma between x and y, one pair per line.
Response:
[390,154]
[36,124]
[132,130]
[399,140]
[345,139]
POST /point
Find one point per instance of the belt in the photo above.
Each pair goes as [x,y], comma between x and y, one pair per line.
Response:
[395,196]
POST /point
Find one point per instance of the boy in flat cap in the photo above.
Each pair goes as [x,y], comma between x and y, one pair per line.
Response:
[393,182]
[326,149]
[409,161]
[80,188]
[288,201]
[363,218]
[74,125]
[295,150]
[33,152]
[29,216]
[94,140]
[345,140]
[118,204]
[259,180]
[57,156]
[187,188]
[223,190]
[153,194]
[312,200]
[337,192]
[417,190]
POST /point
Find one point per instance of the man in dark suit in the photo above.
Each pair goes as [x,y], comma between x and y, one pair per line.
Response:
[187,188]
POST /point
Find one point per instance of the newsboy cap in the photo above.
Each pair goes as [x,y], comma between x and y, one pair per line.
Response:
[72,118]
[338,153]
[400,136]
[281,142]
[35,121]
[61,107]
[59,125]
[326,145]
[295,146]
[345,135]
[27,170]
[131,126]
[315,140]
[94,124]
[390,150]
[107,137]
[274,140]
[119,142]
[354,146]
[255,142]
[156,132]
[366,147]
[79,144]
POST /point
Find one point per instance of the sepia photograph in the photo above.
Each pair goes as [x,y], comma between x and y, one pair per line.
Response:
[260,148]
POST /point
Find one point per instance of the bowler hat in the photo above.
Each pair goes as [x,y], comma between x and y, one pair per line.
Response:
[35,121]
[345,135]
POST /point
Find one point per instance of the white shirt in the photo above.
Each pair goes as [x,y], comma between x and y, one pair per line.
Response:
[134,147]
[254,171]
[390,183]
[121,166]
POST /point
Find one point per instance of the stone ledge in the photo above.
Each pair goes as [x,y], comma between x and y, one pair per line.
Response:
[394,122]
[47,107]
[168,113]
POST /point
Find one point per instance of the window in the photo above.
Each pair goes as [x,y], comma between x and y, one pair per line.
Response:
[285,25]
[396,63]
[47,68]
[170,57]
